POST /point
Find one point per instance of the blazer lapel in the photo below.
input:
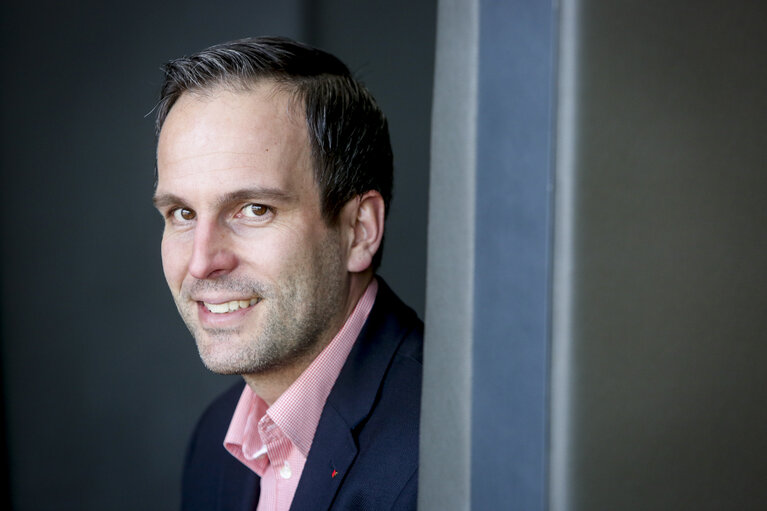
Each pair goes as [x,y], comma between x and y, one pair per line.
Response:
[334,447]
[327,464]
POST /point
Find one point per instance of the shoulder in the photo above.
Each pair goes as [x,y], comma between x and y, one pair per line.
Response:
[385,374]
[210,472]
[395,324]
[387,355]
[216,417]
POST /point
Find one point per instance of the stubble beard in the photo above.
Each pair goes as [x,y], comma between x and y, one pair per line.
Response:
[300,316]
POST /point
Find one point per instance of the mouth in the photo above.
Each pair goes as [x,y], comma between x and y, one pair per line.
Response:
[231,306]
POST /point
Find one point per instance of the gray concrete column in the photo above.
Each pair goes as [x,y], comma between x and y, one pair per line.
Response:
[485,396]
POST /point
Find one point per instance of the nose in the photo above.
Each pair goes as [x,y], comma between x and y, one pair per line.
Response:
[212,254]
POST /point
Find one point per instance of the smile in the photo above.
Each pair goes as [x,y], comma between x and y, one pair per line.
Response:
[223,308]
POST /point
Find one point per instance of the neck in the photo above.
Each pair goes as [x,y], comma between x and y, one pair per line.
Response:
[271,385]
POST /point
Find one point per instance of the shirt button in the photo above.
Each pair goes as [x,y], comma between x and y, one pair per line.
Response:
[285,471]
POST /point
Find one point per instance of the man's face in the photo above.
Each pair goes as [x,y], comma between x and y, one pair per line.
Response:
[257,275]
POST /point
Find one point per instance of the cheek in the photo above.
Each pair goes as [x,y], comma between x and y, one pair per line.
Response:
[174,261]
[268,257]
[281,254]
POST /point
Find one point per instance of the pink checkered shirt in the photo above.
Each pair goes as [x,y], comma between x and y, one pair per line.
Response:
[274,441]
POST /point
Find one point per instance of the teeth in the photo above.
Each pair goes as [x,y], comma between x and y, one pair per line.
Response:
[217,308]
[223,308]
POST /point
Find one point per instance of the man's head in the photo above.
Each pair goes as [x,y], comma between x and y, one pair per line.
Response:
[273,213]
[348,133]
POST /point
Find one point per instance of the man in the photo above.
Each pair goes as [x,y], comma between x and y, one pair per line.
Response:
[274,175]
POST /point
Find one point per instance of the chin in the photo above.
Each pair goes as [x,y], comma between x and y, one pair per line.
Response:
[222,359]
[225,367]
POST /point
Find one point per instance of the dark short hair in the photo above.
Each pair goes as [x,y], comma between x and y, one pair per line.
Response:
[348,133]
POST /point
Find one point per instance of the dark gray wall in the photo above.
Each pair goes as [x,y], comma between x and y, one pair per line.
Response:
[660,351]
[390,47]
[102,382]
[656,307]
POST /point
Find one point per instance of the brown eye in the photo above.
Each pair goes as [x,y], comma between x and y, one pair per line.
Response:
[255,210]
[183,214]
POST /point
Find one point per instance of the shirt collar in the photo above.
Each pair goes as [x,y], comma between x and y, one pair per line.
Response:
[297,411]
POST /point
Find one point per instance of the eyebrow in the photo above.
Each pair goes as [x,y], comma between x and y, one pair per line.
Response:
[258,194]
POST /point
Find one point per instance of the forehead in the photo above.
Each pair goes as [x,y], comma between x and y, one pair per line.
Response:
[225,137]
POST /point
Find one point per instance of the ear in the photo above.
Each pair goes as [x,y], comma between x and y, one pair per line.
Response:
[365,219]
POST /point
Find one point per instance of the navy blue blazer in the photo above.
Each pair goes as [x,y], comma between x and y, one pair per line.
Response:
[367,434]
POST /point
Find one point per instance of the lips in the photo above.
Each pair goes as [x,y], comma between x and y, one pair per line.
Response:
[231,306]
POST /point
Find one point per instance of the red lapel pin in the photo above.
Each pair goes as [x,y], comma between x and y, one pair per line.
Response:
[335,473]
